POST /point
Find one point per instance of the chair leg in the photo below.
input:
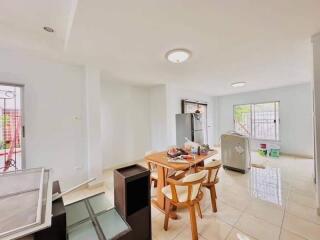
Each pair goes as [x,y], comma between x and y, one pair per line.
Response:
[193,222]
[167,214]
[199,210]
[213,199]
[215,192]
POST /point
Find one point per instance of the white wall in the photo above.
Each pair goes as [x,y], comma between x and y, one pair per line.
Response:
[158,117]
[93,120]
[55,116]
[296,131]
[125,122]
[54,113]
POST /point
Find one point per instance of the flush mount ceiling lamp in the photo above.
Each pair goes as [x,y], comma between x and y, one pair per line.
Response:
[48,29]
[178,55]
[238,84]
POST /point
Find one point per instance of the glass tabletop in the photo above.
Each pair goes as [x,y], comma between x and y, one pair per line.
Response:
[76,213]
[112,224]
[83,231]
[94,218]
[100,203]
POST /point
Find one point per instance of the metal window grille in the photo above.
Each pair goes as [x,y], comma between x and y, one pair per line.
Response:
[258,121]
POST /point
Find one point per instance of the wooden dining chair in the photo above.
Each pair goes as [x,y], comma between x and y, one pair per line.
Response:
[154,172]
[153,169]
[185,193]
[211,180]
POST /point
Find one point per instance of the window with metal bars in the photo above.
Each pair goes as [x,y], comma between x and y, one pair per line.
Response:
[258,121]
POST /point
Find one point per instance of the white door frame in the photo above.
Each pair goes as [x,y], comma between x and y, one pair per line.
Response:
[22,140]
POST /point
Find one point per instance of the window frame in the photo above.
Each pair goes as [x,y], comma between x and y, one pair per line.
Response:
[277,134]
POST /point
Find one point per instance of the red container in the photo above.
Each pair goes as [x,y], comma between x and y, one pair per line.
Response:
[263,146]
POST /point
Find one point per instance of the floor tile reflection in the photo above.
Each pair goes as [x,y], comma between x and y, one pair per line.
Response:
[265,184]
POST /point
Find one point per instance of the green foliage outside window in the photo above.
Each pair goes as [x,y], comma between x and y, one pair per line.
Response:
[240,111]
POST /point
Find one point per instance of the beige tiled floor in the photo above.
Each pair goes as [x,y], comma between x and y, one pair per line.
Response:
[277,202]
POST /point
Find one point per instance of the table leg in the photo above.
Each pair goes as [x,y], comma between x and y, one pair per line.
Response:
[161,183]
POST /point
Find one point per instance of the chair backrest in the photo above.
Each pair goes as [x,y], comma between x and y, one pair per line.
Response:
[212,170]
[195,179]
[151,166]
[187,189]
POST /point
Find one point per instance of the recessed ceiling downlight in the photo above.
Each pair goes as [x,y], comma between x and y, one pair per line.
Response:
[238,84]
[48,29]
[178,55]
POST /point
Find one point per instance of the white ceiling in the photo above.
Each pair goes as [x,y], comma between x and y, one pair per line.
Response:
[32,15]
[265,43]
[22,22]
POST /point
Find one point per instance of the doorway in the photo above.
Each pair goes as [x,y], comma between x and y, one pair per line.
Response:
[11,128]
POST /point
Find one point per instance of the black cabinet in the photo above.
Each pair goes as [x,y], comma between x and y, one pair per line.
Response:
[132,199]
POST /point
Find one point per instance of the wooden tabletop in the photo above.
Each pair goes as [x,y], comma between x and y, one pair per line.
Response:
[161,159]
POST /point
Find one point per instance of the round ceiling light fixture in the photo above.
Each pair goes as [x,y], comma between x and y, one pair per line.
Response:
[238,84]
[178,55]
[48,29]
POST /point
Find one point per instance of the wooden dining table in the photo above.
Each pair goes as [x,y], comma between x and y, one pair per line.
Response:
[160,159]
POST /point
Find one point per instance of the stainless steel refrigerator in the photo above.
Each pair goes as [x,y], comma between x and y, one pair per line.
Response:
[191,126]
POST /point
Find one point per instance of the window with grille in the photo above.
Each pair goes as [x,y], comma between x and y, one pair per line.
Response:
[258,121]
